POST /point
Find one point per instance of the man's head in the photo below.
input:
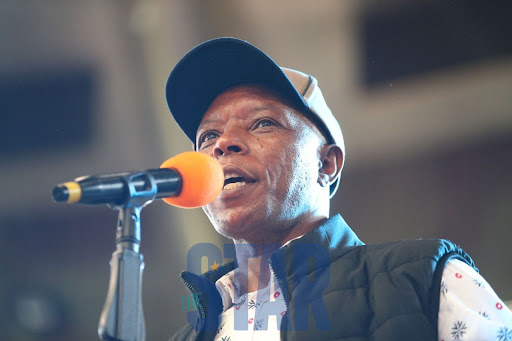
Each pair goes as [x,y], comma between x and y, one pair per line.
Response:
[280,146]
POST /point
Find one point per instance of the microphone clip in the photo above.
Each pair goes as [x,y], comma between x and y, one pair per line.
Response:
[142,190]
[122,317]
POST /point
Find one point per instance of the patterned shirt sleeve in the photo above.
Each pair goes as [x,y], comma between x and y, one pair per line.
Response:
[469,309]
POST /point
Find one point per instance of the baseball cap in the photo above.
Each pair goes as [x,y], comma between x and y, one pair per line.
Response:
[221,63]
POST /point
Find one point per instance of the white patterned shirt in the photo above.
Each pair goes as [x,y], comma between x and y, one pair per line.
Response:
[468,309]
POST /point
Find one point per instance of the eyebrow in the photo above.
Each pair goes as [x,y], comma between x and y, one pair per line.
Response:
[205,122]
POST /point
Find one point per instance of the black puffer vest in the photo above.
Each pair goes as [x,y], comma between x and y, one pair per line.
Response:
[337,288]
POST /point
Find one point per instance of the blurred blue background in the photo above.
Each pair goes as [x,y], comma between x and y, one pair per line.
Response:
[422,90]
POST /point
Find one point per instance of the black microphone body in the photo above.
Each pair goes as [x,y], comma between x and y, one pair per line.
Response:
[117,189]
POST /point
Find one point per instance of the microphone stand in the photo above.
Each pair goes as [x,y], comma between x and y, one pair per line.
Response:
[122,318]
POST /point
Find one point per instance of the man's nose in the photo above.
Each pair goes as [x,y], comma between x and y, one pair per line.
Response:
[229,143]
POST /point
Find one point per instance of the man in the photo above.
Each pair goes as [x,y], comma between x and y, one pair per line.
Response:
[299,274]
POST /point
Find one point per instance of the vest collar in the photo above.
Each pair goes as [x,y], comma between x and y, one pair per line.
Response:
[329,241]
[333,238]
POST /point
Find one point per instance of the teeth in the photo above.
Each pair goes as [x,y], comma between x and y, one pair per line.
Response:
[231,175]
[234,180]
[234,185]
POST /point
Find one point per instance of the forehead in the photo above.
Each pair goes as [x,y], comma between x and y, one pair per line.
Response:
[243,100]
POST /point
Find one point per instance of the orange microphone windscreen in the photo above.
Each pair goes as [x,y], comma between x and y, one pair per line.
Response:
[202,179]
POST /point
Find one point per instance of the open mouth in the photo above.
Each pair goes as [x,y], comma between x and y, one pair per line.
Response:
[233,180]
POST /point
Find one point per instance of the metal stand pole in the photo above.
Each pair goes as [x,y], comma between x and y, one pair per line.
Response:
[122,318]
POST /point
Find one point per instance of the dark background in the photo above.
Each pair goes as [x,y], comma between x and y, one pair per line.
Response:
[421,89]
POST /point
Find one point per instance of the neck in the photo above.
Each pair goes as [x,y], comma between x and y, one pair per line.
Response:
[253,265]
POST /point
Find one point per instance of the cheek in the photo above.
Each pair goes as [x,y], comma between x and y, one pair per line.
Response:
[280,163]
[295,171]
[290,161]
[304,163]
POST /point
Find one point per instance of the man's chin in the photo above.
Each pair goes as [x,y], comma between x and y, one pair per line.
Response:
[233,226]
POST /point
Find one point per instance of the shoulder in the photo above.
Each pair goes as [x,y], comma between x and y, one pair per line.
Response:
[416,246]
[418,261]
[431,251]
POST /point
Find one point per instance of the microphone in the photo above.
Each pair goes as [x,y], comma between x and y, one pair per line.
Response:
[187,180]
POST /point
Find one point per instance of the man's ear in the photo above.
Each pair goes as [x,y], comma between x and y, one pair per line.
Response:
[332,162]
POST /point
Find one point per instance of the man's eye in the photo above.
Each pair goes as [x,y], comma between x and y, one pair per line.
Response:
[264,123]
[209,135]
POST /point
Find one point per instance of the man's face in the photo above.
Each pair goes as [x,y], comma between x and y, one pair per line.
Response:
[271,157]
